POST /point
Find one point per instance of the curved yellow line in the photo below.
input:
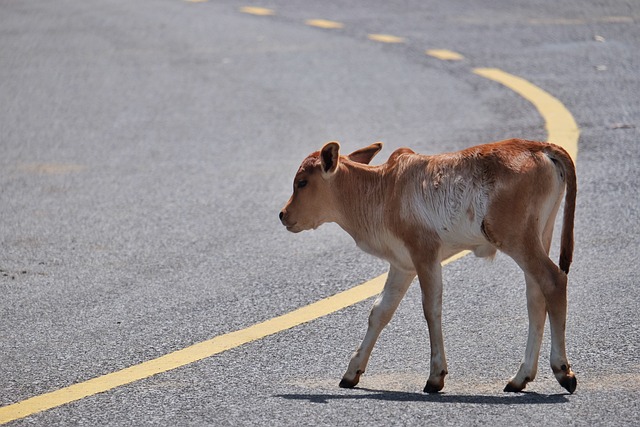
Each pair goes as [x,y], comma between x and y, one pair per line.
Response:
[559,123]
[192,353]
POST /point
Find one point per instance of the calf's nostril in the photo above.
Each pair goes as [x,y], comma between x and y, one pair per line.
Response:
[281,215]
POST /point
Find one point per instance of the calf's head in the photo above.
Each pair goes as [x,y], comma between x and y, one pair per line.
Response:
[316,189]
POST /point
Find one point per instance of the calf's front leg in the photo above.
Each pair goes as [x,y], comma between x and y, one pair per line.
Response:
[385,305]
[430,275]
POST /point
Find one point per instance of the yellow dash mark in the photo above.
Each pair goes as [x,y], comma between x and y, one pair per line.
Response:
[261,11]
[51,168]
[196,1]
[197,351]
[617,20]
[323,23]
[386,38]
[557,21]
[445,55]
[559,123]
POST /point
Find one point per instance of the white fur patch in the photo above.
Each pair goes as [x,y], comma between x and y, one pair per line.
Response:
[453,206]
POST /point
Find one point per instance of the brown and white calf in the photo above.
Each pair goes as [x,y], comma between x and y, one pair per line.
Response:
[415,211]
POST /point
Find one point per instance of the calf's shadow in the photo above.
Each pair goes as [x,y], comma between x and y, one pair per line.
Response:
[522,398]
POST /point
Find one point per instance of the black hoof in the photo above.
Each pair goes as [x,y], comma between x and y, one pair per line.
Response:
[510,388]
[431,388]
[569,383]
[344,383]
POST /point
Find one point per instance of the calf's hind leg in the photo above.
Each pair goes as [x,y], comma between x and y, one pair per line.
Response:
[536,308]
[537,311]
[552,283]
[557,308]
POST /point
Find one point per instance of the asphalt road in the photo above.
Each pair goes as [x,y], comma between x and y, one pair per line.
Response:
[147,147]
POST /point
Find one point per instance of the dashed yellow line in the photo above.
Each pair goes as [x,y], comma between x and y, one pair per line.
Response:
[386,38]
[323,23]
[445,55]
[260,11]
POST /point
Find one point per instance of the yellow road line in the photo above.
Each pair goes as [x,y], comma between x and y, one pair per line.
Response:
[197,351]
[559,123]
[260,11]
[445,55]
[323,23]
[386,38]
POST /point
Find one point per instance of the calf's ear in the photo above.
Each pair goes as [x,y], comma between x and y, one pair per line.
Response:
[366,154]
[329,158]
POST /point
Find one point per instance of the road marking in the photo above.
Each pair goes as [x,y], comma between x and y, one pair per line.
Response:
[562,130]
[571,21]
[51,168]
[323,23]
[199,351]
[559,123]
[445,55]
[386,38]
[618,20]
[557,21]
[260,11]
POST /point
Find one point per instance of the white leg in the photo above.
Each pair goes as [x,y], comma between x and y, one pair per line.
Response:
[536,307]
[552,283]
[395,288]
[557,309]
[431,285]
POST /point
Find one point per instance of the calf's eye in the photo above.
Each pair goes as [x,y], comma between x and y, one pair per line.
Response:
[302,183]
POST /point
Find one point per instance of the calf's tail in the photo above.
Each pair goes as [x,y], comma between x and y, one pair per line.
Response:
[563,161]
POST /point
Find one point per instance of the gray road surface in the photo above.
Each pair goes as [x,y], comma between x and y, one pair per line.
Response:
[146,148]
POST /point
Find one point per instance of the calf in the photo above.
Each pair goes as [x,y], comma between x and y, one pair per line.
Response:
[415,211]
